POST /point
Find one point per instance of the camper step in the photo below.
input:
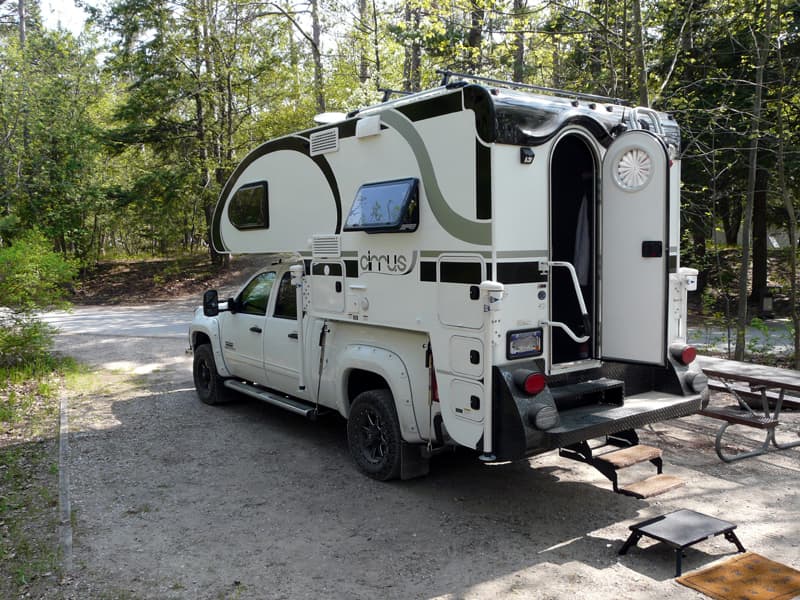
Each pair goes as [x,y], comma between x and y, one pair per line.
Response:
[597,420]
[626,457]
[652,486]
[599,391]
[293,405]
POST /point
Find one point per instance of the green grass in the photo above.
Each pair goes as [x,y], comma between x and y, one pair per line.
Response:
[29,405]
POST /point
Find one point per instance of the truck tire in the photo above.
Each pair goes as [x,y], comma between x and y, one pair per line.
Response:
[209,385]
[373,435]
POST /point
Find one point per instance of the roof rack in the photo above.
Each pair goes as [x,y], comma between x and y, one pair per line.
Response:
[446,75]
[389,92]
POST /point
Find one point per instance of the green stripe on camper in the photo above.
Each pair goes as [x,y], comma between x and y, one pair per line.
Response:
[453,223]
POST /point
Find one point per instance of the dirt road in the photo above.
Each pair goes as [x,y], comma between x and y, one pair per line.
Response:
[175,499]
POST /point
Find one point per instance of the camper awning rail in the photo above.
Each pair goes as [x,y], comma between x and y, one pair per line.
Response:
[446,75]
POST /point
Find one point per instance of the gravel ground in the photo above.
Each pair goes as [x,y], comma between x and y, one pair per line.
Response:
[175,499]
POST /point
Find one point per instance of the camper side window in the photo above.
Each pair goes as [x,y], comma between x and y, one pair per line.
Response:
[249,209]
[385,206]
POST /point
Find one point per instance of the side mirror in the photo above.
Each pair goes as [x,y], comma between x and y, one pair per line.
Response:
[211,303]
[233,306]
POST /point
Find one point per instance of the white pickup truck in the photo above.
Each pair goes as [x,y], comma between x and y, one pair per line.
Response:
[250,343]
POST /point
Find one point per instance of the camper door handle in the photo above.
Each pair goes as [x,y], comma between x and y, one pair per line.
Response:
[293,335]
[474,292]
[255,329]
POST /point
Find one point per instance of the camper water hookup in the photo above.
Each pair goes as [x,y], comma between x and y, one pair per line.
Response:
[438,286]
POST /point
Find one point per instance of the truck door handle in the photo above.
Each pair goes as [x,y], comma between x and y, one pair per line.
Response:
[293,335]
[255,329]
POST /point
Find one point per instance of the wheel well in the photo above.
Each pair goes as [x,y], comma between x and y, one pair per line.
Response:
[359,381]
[200,338]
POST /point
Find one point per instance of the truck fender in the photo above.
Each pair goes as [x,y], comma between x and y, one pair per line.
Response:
[392,369]
[209,328]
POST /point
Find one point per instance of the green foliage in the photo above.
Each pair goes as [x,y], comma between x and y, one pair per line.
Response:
[32,275]
[127,155]
[29,475]
[24,340]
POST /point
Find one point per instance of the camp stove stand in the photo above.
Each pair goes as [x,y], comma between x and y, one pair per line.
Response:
[681,529]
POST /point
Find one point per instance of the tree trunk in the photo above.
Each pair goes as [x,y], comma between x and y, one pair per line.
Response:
[789,206]
[475,36]
[376,46]
[411,65]
[730,211]
[363,65]
[518,73]
[760,235]
[21,13]
[319,90]
[762,52]
[638,37]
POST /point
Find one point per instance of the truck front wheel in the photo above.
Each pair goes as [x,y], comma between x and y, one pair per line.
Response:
[209,385]
[373,434]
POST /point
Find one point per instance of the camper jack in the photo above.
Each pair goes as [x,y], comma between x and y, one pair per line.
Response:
[475,265]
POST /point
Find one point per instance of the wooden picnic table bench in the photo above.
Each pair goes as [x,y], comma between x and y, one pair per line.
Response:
[772,386]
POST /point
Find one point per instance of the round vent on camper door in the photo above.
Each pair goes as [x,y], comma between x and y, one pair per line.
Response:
[634,169]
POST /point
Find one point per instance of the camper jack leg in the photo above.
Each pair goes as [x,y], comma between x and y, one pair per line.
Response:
[493,293]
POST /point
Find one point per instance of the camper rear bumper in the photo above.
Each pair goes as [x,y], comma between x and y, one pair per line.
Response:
[516,435]
[587,422]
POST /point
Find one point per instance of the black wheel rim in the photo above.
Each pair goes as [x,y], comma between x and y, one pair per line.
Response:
[203,375]
[375,445]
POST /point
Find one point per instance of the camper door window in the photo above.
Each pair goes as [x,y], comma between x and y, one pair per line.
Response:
[248,208]
[385,206]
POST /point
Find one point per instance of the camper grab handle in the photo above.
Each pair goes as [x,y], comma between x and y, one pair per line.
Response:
[587,322]
[567,330]
[575,283]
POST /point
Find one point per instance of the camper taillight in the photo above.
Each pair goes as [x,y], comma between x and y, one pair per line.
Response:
[683,353]
[529,382]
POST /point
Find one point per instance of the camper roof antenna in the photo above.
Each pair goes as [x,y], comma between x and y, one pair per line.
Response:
[620,127]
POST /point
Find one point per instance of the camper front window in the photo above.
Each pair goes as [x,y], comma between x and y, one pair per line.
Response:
[248,209]
[385,206]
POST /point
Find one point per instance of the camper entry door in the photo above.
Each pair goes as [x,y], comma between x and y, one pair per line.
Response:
[635,249]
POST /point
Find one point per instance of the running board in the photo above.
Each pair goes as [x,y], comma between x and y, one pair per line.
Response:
[297,407]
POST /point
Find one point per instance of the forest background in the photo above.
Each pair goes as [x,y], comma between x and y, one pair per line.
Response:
[115,141]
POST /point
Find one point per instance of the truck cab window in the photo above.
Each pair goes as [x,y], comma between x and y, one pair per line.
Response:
[286,302]
[253,299]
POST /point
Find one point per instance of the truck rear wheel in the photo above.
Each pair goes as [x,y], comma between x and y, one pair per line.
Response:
[373,434]
[209,385]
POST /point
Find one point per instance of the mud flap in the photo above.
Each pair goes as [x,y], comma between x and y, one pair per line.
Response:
[412,462]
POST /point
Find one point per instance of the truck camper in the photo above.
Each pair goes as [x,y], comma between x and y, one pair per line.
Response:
[482,264]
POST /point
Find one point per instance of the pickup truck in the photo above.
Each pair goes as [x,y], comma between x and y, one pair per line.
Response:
[252,343]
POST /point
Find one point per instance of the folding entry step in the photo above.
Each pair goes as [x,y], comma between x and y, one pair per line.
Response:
[611,462]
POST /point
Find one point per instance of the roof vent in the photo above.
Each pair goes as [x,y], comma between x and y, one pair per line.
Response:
[326,246]
[324,141]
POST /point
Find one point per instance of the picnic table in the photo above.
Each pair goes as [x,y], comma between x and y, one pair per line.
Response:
[772,389]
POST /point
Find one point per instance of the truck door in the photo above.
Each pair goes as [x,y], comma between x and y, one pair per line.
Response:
[242,331]
[281,354]
[635,219]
